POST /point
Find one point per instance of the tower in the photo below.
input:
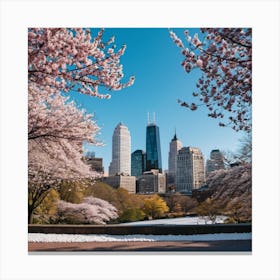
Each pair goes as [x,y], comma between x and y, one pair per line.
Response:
[153,151]
[174,146]
[190,169]
[121,143]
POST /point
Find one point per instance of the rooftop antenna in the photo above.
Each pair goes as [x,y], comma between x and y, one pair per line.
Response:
[154,117]
[148,118]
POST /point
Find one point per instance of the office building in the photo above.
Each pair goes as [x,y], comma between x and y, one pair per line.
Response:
[174,146]
[190,172]
[96,164]
[215,162]
[153,151]
[151,182]
[121,159]
[121,181]
[138,163]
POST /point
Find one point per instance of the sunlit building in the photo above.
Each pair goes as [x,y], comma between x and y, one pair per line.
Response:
[174,146]
[121,149]
[190,170]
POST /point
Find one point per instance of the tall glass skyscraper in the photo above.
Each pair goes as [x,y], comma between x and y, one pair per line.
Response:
[121,160]
[138,163]
[153,152]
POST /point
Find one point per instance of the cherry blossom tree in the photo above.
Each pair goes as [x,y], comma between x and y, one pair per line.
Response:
[224,56]
[243,153]
[61,60]
[91,211]
[233,189]
[56,131]
[64,59]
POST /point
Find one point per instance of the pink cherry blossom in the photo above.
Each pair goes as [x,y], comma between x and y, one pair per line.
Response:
[61,60]
[224,56]
[199,63]
[91,211]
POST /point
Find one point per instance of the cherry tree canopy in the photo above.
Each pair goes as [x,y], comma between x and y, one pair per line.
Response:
[56,131]
[64,59]
[224,55]
[233,186]
[61,60]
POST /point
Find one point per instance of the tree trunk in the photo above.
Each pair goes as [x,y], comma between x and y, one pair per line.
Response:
[30,213]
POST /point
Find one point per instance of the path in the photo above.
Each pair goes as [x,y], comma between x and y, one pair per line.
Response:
[175,246]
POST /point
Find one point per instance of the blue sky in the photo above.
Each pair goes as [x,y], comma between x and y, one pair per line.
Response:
[155,61]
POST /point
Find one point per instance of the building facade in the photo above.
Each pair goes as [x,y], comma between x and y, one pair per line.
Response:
[174,146]
[151,182]
[153,151]
[190,170]
[96,164]
[215,162]
[138,163]
[121,181]
[121,149]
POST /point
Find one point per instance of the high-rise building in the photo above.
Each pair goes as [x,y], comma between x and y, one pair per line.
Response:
[138,163]
[215,162]
[153,152]
[121,160]
[190,170]
[174,146]
[151,182]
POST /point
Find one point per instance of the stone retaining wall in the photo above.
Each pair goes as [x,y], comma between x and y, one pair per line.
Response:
[140,229]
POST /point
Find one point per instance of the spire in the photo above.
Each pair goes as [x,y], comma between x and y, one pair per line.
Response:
[175,136]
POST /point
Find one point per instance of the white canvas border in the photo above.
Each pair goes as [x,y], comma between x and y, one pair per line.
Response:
[263,16]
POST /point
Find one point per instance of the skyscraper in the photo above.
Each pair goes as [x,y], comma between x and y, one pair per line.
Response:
[215,162]
[138,163]
[153,152]
[190,169]
[121,161]
[174,146]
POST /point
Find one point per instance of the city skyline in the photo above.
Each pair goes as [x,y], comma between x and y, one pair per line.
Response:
[107,159]
[160,81]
